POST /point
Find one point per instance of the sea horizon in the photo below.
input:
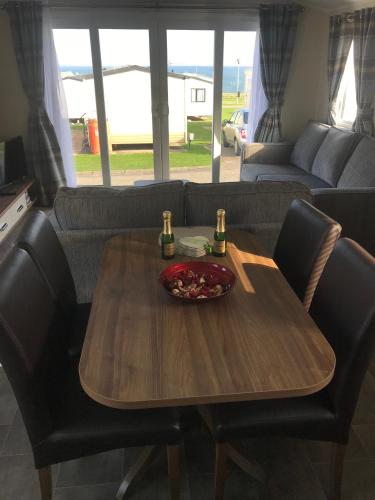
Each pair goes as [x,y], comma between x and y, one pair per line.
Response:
[229,73]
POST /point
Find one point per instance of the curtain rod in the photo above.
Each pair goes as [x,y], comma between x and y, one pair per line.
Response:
[345,18]
[46,3]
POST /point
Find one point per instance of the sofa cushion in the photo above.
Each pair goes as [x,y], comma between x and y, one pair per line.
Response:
[310,181]
[130,207]
[246,203]
[333,154]
[250,171]
[308,144]
[360,169]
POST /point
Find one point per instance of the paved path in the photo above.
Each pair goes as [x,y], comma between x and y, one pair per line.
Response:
[230,171]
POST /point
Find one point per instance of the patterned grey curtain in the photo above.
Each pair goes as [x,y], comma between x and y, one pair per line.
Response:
[364,67]
[278,26]
[44,156]
[340,40]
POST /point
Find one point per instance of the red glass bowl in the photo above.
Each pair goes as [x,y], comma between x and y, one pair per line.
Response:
[224,275]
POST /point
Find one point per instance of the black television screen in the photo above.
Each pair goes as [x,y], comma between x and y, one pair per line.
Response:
[12,161]
[2,163]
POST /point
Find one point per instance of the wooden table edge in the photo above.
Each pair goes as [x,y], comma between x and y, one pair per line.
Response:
[204,400]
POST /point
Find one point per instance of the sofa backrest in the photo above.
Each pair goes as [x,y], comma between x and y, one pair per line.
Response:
[333,154]
[308,144]
[129,207]
[360,169]
[246,203]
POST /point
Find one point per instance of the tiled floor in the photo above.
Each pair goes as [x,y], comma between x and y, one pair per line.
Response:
[297,470]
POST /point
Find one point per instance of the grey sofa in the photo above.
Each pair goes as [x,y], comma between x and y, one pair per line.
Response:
[338,166]
[85,218]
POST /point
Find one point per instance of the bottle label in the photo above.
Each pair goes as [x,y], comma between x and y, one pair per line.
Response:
[168,249]
[219,247]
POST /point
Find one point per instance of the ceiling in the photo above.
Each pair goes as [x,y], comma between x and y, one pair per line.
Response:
[332,6]
[339,5]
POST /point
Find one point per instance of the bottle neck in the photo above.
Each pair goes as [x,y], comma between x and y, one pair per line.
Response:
[167,226]
[220,228]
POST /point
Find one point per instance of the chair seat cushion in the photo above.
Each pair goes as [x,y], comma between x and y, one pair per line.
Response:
[79,321]
[311,416]
[84,427]
[250,172]
[310,181]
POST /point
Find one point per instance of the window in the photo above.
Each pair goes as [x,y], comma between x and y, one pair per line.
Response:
[198,95]
[154,112]
[346,104]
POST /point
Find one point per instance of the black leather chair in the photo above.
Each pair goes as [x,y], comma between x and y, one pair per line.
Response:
[344,309]
[306,240]
[38,237]
[62,422]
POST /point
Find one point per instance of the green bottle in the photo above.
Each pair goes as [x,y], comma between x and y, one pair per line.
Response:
[220,237]
[167,237]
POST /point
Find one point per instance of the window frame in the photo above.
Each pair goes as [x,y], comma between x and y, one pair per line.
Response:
[157,22]
[195,93]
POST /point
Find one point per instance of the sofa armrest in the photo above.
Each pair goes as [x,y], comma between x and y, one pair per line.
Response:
[354,209]
[271,153]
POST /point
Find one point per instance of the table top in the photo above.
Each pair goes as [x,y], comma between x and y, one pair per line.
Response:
[145,349]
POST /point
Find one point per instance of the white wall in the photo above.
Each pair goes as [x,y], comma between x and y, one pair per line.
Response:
[306,94]
[177,112]
[127,104]
[80,98]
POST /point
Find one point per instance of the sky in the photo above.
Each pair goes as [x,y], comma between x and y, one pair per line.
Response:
[125,47]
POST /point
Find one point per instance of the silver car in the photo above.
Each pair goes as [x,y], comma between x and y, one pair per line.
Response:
[235,130]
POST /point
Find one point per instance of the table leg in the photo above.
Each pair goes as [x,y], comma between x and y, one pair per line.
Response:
[173,455]
[134,470]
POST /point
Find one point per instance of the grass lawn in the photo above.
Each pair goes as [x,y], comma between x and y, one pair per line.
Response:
[199,153]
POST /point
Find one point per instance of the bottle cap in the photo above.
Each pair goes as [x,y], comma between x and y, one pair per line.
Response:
[167,214]
[221,211]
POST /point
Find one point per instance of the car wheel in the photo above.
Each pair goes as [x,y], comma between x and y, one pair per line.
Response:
[225,142]
[237,148]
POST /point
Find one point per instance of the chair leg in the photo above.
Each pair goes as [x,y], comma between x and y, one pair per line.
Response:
[336,469]
[45,481]
[220,470]
[173,453]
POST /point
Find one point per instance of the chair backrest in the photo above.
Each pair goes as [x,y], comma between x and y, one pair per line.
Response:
[38,237]
[306,240]
[344,309]
[33,349]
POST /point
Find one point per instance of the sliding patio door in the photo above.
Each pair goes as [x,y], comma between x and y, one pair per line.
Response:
[190,103]
[146,93]
[125,61]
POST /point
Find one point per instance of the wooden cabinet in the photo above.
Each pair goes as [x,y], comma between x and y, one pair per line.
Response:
[14,202]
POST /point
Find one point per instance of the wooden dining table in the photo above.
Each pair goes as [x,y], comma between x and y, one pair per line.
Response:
[146,349]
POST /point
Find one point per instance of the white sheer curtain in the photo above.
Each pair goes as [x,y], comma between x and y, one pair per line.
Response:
[257,100]
[55,101]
